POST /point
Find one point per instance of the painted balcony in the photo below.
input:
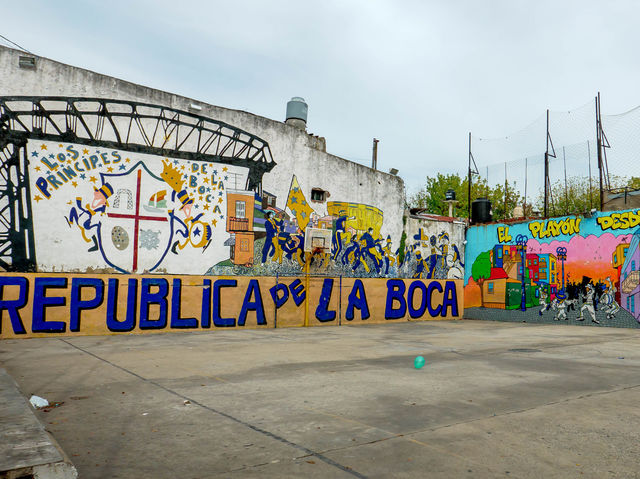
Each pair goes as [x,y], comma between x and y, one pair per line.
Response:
[631,282]
[238,224]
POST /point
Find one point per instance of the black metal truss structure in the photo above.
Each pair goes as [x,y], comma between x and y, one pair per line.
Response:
[17,247]
[117,124]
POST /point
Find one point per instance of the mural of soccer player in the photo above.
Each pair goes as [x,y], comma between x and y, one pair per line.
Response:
[280,241]
[389,258]
[368,249]
[419,273]
[559,305]
[339,233]
[588,305]
[543,299]
[608,300]
[271,228]
[85,216]
[293,248]
[352,249]
[434,256]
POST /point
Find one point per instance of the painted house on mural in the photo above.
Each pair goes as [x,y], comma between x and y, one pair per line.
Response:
[617,261]
[630,278]
[110,178]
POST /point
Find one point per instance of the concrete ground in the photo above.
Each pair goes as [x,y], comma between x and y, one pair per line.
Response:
[495,399]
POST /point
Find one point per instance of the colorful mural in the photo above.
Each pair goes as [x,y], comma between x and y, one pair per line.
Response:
[134,213]
[336,238]
[126,212]
[39,304]
[571,269]
[108,192]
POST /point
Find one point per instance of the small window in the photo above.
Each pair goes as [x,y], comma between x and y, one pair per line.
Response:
[490,287]
[318,194]
[27,62]
[633,265]
[633,304]
[240,209]
[500,253]
[244,245]
[615,258]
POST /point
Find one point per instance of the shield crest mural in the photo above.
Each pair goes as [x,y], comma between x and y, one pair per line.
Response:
[136,229]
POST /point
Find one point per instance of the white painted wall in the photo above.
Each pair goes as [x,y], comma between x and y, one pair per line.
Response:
[291,148]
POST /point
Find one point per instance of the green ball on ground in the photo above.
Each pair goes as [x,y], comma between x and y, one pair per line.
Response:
[418,362]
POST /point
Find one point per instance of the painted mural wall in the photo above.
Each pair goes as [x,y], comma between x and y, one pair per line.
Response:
[40,304]
[576,270]
[128,237]
[434,247]
[105,210]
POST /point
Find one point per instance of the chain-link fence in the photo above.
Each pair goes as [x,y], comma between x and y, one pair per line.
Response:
[573,177]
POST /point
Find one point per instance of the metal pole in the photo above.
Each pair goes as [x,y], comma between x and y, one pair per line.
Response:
[599,140]
[546,173]
[506,215]
[566,191]
[521,242]
[590,186]
[469,182]
[524,213]
[374,159]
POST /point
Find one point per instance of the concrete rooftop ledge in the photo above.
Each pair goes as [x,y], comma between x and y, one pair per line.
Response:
[26,449]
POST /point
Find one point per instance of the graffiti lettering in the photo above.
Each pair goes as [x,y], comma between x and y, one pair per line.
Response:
[322,311]
[396,295]
[39,304]
[357,300]
[553,228]
[43,186]
[503,234]
[616,221]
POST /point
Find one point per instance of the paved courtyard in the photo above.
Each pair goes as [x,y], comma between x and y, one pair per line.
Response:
[494,399]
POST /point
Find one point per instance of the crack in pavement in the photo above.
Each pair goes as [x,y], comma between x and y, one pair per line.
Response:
[264,432]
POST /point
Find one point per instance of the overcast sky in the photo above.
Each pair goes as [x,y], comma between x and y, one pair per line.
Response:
[418,75]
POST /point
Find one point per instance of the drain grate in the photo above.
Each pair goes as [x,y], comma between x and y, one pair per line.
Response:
[525,350]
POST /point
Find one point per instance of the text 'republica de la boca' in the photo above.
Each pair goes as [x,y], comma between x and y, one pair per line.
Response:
[43,304]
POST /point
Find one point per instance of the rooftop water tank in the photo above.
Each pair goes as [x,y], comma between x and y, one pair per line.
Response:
[297,110]
[450,195]
[481,211]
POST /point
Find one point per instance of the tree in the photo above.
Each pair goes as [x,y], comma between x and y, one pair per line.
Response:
[431,196]
[578,196]
[481,270]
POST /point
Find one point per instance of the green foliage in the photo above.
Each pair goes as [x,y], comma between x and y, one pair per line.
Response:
[634,183]
[403,240]
[431,196]
[481,268]
[578,196]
